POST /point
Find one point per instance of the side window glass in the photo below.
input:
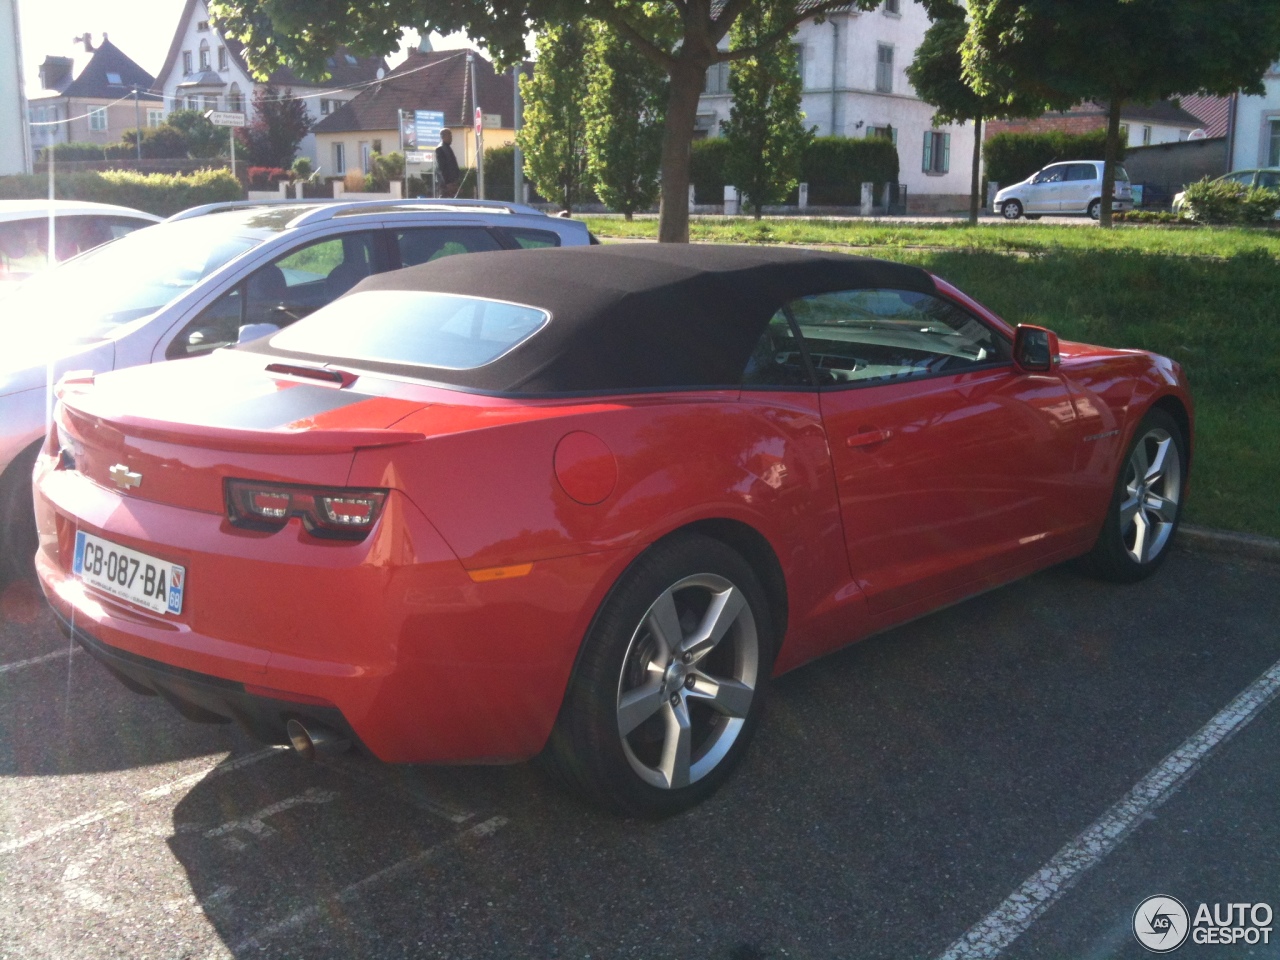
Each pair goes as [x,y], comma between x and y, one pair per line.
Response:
[529,239]
[217,325]
[432,243]
[122,226]
[1269,179]
[880,336]
[776,360]
[309,277]
[1082,171]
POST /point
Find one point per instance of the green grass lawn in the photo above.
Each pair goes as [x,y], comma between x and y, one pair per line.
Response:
[1208,298]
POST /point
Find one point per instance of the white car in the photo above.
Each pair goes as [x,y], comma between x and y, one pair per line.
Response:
[213,277]
[1062,189]
[77,226]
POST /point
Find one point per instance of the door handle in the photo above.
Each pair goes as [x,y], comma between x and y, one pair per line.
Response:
[866,438]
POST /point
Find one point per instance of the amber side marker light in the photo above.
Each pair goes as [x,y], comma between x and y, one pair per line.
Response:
[499,573]
[338,512]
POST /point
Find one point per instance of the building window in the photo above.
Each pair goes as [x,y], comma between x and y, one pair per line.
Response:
[339,158]
[326,106]
[1124,134]
[884,68]
[193,103]
[98,119]
[717,79]
[892,6]
[155,118]
[235,99]
[364,155]
[204,54]
[202,26]
[1273,149]
[798,49]
[222,58]
[209,103]
[887,132]
[937,152]
[186,62]
[1146,136]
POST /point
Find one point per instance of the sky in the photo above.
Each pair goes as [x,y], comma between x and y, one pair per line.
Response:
[141,28]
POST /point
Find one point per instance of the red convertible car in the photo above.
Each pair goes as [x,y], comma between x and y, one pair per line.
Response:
[584,503]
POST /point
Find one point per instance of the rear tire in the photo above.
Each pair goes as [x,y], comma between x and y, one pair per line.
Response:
[1011,210]
[1146,505]
[670,684]
[18,540]
[1095,210]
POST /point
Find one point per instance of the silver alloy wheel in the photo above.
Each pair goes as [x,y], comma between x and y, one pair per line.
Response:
[1095,210]
[1011,210]
[1152,489]
[688,681]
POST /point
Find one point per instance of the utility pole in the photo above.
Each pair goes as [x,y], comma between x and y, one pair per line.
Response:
[518,185]
[137,121]
[475,103]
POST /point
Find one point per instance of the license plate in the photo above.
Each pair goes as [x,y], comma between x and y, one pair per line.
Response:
[129,574]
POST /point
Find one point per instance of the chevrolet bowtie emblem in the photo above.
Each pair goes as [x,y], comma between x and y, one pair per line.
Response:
[124,477]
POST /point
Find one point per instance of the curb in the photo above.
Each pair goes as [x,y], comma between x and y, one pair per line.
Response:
[1247,545]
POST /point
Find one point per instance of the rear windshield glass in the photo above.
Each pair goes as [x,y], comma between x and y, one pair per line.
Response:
[1121,173]
[413,327]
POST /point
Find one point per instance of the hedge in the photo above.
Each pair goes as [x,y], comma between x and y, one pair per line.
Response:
[1226,201]
[499,175]
[834,167]
[163,194]
[71,151]
[1012,157]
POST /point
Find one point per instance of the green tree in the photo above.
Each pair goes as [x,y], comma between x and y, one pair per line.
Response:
[626,94]
[280,121]
[158,143]
[1066,51]
[300,34]
[202,137]
[937,73]
[765,129]
[553,138]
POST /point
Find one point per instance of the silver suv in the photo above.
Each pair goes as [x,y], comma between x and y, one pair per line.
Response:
[211,277]
[1061,189]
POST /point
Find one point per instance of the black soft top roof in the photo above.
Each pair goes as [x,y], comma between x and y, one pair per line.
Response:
[635,316]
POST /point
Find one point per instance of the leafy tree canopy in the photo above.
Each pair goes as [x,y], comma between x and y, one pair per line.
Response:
[553,137]
[280,121]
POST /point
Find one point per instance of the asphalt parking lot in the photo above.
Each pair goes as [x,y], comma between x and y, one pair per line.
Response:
[898,794]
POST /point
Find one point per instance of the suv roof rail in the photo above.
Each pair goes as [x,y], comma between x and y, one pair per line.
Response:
[333,208]
[207,208]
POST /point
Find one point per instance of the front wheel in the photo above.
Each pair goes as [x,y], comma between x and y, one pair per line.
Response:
[1146,505]
[670,684]
[1011,210]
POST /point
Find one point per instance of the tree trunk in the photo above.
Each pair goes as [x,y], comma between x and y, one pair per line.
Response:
[626,215]
[677,136]
[975,183]
[1109,168]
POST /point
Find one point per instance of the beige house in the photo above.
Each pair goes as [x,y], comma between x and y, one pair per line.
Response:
[427,80]
[97,106]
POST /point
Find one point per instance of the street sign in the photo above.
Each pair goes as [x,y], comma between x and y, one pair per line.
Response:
[492,121]
[479,121]
[417,156]
[220,118]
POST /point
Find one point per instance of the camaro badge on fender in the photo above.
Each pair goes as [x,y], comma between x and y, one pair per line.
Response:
[124,477]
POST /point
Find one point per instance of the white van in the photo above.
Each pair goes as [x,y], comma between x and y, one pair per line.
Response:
[1063,189]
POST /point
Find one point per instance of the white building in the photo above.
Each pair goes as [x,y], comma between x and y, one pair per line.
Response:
[14,149]
[1255,130]
[204,71]
[853,68]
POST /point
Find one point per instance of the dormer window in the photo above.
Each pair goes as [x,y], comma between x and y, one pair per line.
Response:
[351,59]
[114,79]
[203,26]
[204,54]
[222,58]
[186,62]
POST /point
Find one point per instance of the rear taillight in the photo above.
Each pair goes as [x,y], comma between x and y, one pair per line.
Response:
[338,512]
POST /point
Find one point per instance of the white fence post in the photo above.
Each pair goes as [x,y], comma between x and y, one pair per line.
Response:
[804,196]
[339,188]
[691,200]
[731,202]
[868,198]
[992,189]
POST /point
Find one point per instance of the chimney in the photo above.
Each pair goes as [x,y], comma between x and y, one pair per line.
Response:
[87,40]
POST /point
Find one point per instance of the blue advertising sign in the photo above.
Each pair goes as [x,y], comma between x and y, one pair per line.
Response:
[420,129]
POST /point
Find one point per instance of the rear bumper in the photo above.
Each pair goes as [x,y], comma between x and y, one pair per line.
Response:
[204,698]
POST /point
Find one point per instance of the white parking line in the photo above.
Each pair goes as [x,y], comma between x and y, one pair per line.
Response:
[349,893]
[120,806]
[993,934]
[56,655]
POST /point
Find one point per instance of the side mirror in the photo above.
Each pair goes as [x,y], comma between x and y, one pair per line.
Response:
[1035,349]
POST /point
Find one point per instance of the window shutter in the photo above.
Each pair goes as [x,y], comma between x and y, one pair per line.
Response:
[927,164]
[946,153]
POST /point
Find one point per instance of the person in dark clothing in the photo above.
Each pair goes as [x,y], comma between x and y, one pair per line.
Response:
[447,173]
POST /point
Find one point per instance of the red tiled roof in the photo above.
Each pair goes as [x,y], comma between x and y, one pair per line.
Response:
[1212,112]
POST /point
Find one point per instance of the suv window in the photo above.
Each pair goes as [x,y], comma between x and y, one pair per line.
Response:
[878,336]
[528,238]
[1082,171]
[1052,174]
[275,295]
[423,244]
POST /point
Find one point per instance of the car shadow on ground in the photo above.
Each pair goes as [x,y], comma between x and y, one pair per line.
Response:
[895,793]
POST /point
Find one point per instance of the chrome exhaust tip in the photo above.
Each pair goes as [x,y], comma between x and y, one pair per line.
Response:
[308,741]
